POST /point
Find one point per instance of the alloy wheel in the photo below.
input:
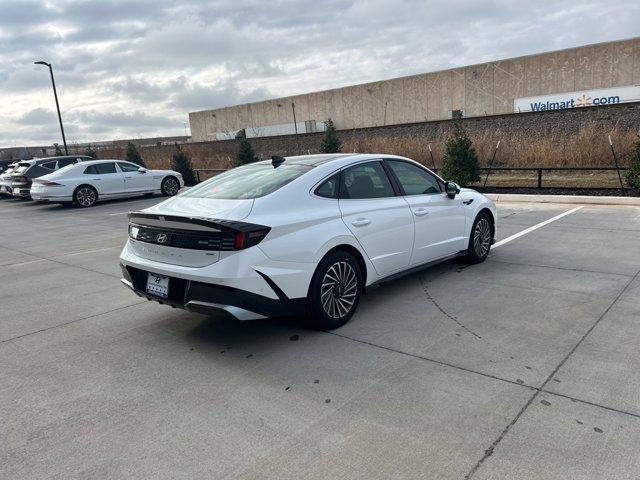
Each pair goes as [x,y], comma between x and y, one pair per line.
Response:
[339,289]
[482,237]
[86,197]
[171,186]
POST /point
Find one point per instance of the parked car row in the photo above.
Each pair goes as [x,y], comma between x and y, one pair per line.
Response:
[83,181]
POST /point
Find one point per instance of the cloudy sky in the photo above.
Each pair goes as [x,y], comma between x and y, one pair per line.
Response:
[134,69]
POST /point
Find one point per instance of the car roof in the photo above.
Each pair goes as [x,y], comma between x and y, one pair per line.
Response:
[314,160]
[322,158]
[98,162]
[38,161]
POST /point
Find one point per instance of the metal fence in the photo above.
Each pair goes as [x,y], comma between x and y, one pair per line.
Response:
[198,170]
[540,170]
[489,170]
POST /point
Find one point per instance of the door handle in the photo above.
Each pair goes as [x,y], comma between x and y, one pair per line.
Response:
[361,222]
[127,177]
[418,212]
[96,179]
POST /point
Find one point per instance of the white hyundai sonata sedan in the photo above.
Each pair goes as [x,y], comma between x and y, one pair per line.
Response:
[83,184]
[301,235]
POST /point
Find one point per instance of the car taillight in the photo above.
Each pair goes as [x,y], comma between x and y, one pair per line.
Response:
[228,236]
[254,238]
[246,239]
[239,241]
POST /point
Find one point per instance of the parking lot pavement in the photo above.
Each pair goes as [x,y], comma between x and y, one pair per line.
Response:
[522,367]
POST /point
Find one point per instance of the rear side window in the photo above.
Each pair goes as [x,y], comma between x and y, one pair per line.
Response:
[100,169]
[106,168]
[366,180]
[67,161]
[414,180]
[250,181]
[49,165]
[329,188]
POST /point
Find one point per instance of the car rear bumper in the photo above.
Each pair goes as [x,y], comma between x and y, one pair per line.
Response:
[21,192]
[210,299]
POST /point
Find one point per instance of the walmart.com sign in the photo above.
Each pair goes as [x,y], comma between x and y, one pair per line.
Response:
[585,98]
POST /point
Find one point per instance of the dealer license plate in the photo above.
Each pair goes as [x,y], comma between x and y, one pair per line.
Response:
[158,285]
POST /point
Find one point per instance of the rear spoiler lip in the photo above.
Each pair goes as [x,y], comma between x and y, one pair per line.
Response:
[135,217]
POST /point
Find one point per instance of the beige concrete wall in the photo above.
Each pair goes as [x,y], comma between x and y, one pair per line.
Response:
[484,89]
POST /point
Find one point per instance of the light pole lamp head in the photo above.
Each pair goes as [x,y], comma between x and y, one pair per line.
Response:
[42,63]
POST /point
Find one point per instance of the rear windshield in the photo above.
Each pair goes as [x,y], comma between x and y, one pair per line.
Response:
[63,170]
[251,181]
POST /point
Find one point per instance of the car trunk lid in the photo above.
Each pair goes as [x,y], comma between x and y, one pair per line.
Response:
[203,207]
[193,232]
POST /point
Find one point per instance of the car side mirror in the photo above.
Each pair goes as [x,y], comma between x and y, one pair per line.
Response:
[142,170]
[451,189]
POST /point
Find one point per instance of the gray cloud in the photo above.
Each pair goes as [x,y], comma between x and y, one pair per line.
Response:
[193,97]
[129,68]
[37,117]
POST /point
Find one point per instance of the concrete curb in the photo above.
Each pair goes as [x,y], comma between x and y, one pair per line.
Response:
[570,199]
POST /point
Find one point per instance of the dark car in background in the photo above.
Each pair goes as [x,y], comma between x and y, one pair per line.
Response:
[4,164]
[27,170]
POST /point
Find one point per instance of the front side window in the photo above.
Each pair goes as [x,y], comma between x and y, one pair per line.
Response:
[366,180]
[413,179]
[250,181]
[128,167]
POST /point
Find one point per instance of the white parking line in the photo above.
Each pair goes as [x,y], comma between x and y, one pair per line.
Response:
[535,227]
[119,213]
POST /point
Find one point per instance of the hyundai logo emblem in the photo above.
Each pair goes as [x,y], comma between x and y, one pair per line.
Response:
[162,238]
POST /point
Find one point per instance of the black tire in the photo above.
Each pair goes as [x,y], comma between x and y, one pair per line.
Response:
[85,196]
[170,186]
[480,238]
[331,304]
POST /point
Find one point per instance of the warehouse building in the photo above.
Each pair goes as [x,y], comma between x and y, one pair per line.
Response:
[592,75]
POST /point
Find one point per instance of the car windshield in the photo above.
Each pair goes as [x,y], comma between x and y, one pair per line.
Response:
[251,181]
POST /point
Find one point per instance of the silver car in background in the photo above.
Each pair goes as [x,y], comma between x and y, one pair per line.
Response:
[5,180]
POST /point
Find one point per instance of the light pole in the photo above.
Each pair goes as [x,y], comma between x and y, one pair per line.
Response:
[55,94]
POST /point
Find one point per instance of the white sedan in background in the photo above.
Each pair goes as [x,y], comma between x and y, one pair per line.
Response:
[86,183]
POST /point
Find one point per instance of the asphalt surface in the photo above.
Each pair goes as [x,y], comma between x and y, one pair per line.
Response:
[523,367]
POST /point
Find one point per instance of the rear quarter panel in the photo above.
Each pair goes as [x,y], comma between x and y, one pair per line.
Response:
[306,232]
